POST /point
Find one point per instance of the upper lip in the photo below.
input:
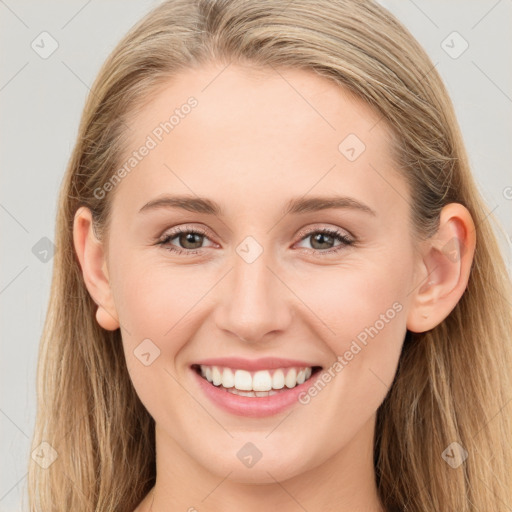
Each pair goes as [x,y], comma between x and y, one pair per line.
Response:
[264,363]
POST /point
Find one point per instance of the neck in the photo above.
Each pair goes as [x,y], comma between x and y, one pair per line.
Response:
[343,483]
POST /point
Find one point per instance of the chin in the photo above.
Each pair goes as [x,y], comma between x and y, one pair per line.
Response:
[263,470]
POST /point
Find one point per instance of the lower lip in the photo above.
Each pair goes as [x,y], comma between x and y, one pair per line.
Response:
[255,407]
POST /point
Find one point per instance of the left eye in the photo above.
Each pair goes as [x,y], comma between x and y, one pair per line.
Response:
[320,238]
[191,241]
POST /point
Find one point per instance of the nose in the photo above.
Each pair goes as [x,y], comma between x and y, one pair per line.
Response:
[255,304]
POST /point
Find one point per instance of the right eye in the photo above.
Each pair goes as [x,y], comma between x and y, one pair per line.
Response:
[185,237]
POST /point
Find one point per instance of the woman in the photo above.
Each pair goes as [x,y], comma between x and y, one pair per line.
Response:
[336,336]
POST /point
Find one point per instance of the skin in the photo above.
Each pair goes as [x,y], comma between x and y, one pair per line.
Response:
[252,143]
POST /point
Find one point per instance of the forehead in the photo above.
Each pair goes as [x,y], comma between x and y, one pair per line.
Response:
[230,99]
[254,132]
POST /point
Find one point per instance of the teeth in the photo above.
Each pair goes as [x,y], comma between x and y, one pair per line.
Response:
[291,378]
[243,381]
[278,379]
[228,379]
[216,376]
[235,391]
[260,383]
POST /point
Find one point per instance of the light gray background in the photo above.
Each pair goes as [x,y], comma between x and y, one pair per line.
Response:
[41,102]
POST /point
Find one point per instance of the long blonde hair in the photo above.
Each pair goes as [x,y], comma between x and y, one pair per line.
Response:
[453,382]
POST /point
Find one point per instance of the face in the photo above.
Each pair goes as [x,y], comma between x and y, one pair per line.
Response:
[273,280]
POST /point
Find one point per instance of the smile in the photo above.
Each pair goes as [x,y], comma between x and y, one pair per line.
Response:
[254,388]
[260,383]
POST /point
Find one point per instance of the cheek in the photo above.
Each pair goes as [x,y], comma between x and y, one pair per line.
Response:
[364,311]
[153,296]
[158,304]
[365,349]
[152,303]
[353,297]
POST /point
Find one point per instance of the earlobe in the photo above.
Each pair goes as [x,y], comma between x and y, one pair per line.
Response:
[106,319]
[91,255]
[446,261]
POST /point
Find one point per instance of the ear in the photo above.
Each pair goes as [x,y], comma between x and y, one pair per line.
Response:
[445,264]
[90,252]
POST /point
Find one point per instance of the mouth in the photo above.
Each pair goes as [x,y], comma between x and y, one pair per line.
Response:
[255,384]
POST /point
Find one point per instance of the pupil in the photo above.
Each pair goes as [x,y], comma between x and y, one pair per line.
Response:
[189,238]
[322,237]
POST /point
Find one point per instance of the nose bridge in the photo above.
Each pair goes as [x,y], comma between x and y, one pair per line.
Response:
[254,301]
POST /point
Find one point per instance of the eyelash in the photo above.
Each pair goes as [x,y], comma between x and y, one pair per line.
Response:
[337,235]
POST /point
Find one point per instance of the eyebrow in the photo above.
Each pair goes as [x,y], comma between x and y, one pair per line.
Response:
[294,206]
